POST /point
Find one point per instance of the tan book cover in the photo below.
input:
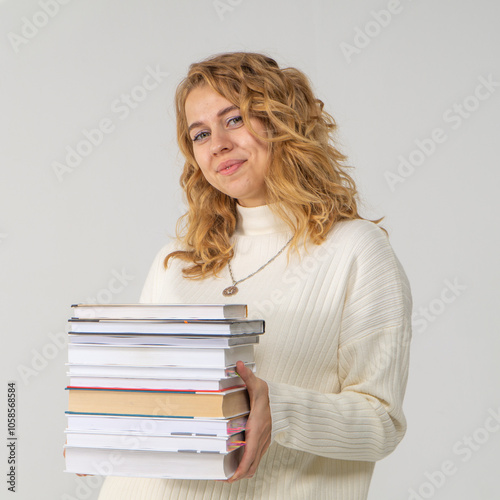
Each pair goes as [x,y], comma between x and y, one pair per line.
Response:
[223,404]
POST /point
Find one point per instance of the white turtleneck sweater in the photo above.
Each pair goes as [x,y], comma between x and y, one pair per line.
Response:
[334,355]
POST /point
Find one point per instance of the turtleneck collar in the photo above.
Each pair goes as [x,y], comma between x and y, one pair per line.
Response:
[258,220]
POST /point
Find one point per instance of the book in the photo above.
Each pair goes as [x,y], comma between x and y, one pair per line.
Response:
[169,384]
[153,389]
[160,355]
[167,340]
[159,464]
[138,440]
[166,372]
[223,427]
[191,327]
[160,311]
[223,404]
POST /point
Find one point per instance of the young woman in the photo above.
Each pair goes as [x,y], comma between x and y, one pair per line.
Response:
[272,222]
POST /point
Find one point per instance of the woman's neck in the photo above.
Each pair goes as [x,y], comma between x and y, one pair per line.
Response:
[253,221]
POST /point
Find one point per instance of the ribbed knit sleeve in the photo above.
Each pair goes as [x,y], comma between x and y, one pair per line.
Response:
[363,420]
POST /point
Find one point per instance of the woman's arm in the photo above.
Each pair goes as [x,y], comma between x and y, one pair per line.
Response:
[364,420]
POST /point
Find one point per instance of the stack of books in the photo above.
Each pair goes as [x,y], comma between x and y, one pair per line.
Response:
[154,392]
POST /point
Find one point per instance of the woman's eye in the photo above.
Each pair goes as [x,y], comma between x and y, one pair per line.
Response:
[200,136]
[235,121]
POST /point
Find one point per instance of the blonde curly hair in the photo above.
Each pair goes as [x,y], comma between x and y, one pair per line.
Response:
[307,184]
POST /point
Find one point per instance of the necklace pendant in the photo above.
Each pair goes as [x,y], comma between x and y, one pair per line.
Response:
[230,290]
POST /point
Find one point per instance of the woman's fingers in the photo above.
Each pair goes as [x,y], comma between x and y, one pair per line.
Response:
[259,424]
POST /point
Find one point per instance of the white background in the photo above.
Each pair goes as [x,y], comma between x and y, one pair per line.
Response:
[389,83]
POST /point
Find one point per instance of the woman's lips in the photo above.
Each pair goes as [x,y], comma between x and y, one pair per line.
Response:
[229,167]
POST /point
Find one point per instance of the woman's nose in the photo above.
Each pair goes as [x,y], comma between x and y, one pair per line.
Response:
[220,142]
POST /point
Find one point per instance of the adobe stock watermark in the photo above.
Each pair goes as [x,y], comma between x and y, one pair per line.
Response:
[31,27]
[128,441]
[116,284]
[465,448]
[222,7]
[86,485]
[372,29]
[454,117]
[121,107]
[41,357]
[294,278]
[424,316]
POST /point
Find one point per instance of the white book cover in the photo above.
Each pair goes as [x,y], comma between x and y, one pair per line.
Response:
[152,383]
[160,311]
[141,441]
[160,464]
[160,355]
[83,422]
[166,340]
[173,327]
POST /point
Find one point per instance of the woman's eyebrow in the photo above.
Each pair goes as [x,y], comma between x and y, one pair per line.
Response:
[219,114]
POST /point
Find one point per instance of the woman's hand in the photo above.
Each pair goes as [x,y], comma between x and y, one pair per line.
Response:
[259,424]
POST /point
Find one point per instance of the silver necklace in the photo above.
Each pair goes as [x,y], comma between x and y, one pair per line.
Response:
[233,289]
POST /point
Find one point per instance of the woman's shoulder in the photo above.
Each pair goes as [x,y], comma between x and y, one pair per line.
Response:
[158,261]
[171,246]
[358,233]
[154,281]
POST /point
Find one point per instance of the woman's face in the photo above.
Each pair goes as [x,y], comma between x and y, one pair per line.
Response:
[230,157]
